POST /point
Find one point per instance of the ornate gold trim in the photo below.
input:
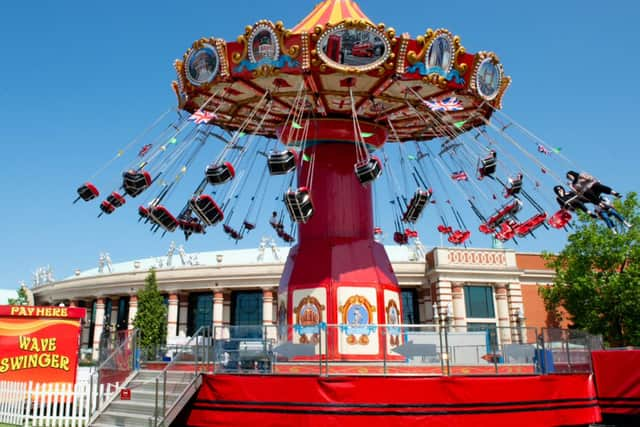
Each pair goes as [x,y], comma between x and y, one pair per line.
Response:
[220,47]
[386,62]
[479,59]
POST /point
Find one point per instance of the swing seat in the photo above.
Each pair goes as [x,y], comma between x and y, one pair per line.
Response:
[143,212]
[504,213]
[116,199]
[515,187]
[368,170]
[458,237]
[445,229]
[162,217]
[249,225]
[410,233]
[416,205]
[87,191]
[299,204]
[281,162]
[507,231]
[400,238]
[135,182]
[487,166]
[277,225]
[288,238]
[377,231]
[531,224]
[191,225]
[107,207]
[220,173]
[234,234]
[206,209]
[560,219]
[227,228]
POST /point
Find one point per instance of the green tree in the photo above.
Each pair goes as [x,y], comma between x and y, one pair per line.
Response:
[23,296]
[151,317]
[598,277]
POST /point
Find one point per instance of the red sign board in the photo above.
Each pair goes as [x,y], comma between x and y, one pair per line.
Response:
[125,394]
[39,343]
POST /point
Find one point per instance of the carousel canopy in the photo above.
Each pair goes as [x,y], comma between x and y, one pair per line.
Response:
[330,12]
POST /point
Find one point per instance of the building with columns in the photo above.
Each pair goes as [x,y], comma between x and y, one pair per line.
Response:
[473,289]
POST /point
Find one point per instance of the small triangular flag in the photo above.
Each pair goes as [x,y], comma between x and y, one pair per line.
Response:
[305,157]
[120,153]
[366,134]
[241,134]
[557,150]
[412,157]
[458,125]
[172,141]
[183,169]
[295,125]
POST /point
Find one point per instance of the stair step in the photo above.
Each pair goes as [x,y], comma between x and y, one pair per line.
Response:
[121,419]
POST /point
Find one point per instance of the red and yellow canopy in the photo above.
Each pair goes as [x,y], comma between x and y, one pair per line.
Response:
[330,11]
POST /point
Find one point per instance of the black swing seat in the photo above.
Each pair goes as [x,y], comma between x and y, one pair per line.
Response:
[232,232]
[135,182]
[299,204]
[88,191]
[515,186]
[249,225]
[400,238]
[143,212]
[416,205]
[281,162]
[368,170]
[191,225]
[107,207]
[487,166]
[287,237]
[206,209]
[220,173]
[162,217]
[116,199]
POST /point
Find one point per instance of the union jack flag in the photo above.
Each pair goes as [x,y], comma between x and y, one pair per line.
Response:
[450,103]
[459,176]
[202,117]
[543,150]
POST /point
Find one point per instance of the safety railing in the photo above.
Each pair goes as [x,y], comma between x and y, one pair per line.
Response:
[116,368]
[180,376]
[429,349]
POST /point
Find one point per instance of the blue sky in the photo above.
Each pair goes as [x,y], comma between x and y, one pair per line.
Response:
[80,79]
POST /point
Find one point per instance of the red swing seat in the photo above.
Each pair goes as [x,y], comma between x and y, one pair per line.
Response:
[107,207]
[458,237]
[400,238]
[445,229]
[531,224]
[135,182]
[116,199]
[504,213]
[560,219]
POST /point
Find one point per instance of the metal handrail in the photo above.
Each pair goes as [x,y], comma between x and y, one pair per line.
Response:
[158,418]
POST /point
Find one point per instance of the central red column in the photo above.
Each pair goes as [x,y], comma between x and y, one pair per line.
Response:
[337,279]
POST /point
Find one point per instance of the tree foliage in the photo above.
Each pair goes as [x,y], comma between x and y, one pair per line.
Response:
[598,277]
[22,299]
[151,317]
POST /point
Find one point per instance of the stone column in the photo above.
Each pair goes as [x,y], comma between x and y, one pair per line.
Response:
[183,315]
[115,305]
[226,314]
[459,315]
[503,313]
[97,328]
[267,313]
[133,310]
[443,296]
[172,317]
[218,308]
[516,311]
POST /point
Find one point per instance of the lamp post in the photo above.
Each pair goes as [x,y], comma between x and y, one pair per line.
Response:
[518,315]
[445,317]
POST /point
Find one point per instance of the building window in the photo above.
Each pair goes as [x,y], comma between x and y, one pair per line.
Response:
[200,311]
[478,301]
[123,314]
[246,314]
[410,312]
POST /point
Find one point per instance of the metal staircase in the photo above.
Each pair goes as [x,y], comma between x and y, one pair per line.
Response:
[158,396]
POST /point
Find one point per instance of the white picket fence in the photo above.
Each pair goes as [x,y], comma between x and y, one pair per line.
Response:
[51,405]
